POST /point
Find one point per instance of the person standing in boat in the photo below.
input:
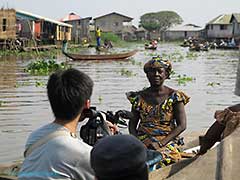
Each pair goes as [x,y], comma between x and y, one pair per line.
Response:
[158,112]
[98,36]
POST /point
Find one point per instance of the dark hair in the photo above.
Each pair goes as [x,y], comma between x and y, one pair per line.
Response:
[67,91]
[119,157]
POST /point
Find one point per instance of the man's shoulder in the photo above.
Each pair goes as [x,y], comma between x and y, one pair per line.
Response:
[69,149]
[71,143]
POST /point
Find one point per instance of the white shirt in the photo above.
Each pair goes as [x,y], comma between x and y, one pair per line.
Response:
[62,157]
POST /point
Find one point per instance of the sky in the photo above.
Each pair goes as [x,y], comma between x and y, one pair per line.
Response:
[197,12]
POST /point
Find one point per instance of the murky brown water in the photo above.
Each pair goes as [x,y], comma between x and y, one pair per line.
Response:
[24,107]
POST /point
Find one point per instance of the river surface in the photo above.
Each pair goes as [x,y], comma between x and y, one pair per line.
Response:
[24,106]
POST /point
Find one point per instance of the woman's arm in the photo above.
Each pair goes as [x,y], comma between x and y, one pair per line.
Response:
[133,122]
[180,116]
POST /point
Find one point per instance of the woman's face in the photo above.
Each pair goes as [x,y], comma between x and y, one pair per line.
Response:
[156,76]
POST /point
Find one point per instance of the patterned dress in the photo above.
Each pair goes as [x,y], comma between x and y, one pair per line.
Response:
[157,121]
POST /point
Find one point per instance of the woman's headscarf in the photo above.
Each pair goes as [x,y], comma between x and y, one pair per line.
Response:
[158,62]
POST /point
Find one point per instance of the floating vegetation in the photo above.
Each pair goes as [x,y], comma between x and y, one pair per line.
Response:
[213,84]
[183,79]
[152,54]
[19,84]
[40,84]
[128,73]
[100,99]
[44,67]
[135,62]
[191,55]
[1,103]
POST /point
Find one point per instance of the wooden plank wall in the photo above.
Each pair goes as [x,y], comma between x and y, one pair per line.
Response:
[10,16]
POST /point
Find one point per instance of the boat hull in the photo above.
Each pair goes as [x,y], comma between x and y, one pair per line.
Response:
[121,56]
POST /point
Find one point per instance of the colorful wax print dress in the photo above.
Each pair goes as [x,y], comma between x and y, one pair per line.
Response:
[157,121]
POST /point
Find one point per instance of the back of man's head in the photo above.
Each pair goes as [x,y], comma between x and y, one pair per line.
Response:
[119,157]
[68,91]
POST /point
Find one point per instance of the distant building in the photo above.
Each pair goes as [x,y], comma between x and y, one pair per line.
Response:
[41,28]
[220,27]
[80,27]
[128,33]
[7,24]
[141,33]
[113,22]
[235,20]
[183,32]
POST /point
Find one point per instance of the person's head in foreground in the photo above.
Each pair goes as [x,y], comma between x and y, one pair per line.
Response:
[69,92]
[157,70]
[119,157]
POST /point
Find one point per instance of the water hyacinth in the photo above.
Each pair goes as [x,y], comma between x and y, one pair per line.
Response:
[128,73]
[213,84]
[44,67]
[100,99]
[40,84]
[183,79]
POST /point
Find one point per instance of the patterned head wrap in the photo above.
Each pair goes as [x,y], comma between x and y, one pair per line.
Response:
[158,62]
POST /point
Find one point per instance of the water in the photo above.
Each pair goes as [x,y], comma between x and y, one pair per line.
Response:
[24,107]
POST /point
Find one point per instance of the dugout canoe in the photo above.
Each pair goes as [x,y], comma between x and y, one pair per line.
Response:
[81,57]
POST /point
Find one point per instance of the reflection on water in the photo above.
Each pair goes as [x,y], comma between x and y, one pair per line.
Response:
[24,107]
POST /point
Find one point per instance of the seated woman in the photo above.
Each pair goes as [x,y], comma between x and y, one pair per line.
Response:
[158,112]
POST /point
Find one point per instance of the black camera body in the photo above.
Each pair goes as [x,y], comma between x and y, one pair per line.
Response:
[95,128]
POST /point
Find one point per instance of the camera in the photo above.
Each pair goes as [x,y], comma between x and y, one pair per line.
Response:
[95,128]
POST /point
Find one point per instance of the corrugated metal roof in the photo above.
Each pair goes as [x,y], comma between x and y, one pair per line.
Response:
[186,27]
[221,19]
[41,17]
[237,16]
[127,17]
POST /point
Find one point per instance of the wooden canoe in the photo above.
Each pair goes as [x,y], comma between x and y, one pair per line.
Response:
[228,47]
[10,171]
[119,56]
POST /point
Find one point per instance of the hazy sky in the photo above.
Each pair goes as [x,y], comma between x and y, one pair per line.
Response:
[192,11]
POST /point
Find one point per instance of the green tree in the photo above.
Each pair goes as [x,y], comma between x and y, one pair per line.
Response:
[160,21]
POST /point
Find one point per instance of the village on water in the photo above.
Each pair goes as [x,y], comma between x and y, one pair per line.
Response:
[99,98]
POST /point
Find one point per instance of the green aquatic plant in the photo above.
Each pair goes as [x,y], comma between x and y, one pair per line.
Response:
[1,103]
[128,73]
[45,67]
[100,99]
[134,62]
[191,55]
[183,79]
[19,84]
[213,84]
[39,84]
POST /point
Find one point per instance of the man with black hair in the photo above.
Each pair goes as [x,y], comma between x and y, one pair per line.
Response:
[54,151]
